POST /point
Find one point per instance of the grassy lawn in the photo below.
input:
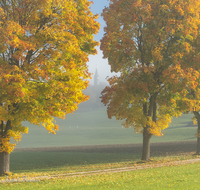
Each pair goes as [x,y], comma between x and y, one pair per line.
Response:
[94,128]
[51,163]
[25,163]
[67,162]
[171,177]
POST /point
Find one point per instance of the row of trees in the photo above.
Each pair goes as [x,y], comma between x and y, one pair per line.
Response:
[44,47]
[154,44]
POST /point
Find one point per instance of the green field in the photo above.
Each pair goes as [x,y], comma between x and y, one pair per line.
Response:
[90,128]
[176,178]
[48,163]
[94,128]
[68,162]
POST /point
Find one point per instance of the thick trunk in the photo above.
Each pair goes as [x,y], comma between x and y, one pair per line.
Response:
[5,156]
[4,163]
[146,144]
[151,112]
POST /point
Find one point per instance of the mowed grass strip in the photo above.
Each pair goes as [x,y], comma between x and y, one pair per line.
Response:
[50,163]
[171,177]
[42,163]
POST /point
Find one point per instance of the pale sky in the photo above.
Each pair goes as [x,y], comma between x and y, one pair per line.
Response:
[97,61]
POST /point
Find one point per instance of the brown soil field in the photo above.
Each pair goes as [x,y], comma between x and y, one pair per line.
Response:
[161,148]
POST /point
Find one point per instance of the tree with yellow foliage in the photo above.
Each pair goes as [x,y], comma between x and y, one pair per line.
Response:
[44,47]
[190,96]
[146,41]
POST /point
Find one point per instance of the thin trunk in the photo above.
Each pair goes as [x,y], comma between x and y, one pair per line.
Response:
[198,140]
[146,144]
[4,163]
[197,115]
[154,116]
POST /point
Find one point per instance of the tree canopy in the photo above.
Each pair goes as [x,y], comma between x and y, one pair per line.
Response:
[44,47]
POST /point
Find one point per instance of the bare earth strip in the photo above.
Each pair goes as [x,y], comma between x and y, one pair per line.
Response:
[166,148]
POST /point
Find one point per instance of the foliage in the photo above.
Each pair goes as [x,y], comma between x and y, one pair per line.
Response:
[148,43]
[190,95]
[44,48]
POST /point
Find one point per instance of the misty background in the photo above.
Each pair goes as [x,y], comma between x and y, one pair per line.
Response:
[97,61]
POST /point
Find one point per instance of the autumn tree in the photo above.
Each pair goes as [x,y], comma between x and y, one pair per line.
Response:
[190,97]
[44,47]
[146,42]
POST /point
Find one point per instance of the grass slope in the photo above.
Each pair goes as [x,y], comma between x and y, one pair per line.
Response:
[94,128]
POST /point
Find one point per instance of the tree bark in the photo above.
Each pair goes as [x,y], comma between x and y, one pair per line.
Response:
[197,115]
[198,141]
[146,134]
[4,163]
[146,144]
[5,156]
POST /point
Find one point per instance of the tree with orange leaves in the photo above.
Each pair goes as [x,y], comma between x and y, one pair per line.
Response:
[190,95]
[44,47]
[146,41]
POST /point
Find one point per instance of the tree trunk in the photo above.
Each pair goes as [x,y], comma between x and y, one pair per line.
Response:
[198,143]
[198,133]
[151,112]
[146,144]
[4,163]
[197,115]
[5,156]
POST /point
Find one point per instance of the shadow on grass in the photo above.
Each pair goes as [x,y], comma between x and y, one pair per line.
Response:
[21,162]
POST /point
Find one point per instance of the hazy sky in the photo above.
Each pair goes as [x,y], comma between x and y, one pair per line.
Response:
[97,61]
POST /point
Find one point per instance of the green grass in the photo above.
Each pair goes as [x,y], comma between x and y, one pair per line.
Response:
[42,163]
[65,162]
[94,128]
[50,163]
[171,177]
